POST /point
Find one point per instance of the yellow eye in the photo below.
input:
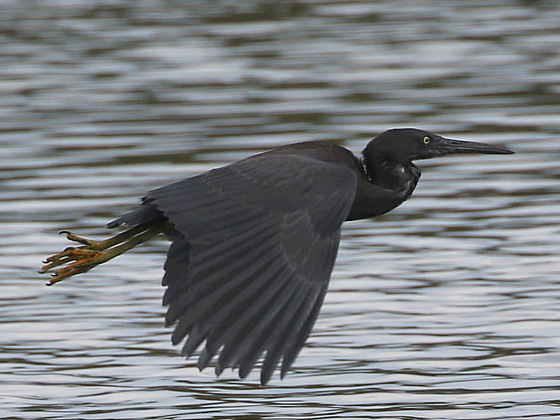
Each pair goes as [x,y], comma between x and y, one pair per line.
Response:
[426,140]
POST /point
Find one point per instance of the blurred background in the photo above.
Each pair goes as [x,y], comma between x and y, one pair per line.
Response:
[446,308]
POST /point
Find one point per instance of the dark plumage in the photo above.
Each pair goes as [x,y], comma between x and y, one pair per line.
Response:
[254,243]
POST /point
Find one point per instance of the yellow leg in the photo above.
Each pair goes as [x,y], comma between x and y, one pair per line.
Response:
[76,260]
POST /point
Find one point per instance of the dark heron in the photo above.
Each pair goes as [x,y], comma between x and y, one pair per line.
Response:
[253,243]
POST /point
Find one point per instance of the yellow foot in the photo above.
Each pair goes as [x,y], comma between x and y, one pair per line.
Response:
[74,260]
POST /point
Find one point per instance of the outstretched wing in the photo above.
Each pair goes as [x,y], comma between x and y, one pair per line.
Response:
[250,269]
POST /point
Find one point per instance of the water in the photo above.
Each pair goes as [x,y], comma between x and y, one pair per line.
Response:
[446,308]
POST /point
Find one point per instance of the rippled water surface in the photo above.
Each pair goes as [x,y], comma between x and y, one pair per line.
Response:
[446,308]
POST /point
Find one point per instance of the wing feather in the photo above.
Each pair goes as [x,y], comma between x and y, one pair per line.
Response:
[217,302]
[299,335]
[241,336]
[297,314]
[204,297]
[256,245]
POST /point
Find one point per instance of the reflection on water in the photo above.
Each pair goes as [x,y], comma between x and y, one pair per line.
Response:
[445,308]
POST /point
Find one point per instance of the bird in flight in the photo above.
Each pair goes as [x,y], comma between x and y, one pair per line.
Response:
[253,243]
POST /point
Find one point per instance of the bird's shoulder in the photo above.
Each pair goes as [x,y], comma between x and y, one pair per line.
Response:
[317,151]
[302,172]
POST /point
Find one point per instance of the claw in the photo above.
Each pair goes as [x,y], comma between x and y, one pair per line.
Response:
[80,239]
[74,260]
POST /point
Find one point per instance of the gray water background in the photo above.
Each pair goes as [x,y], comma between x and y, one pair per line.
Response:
[446,308]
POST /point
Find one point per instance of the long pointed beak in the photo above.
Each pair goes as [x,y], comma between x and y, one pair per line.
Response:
[443,146]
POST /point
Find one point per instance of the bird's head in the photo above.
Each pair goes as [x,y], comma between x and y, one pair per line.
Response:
[404,145]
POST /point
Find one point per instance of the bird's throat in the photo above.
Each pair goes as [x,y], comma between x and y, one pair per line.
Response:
[393,175]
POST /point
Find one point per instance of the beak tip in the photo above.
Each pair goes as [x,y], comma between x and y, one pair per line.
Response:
[505,151]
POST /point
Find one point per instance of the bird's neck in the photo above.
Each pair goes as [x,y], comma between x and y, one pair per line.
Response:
[388,173]
[384,185]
